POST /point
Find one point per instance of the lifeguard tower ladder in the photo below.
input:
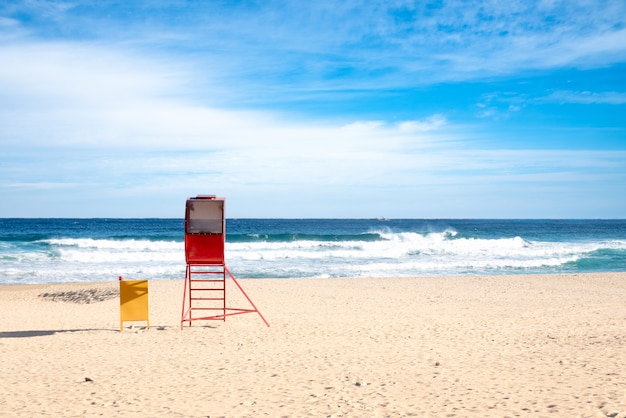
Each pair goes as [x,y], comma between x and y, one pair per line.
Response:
[204,296]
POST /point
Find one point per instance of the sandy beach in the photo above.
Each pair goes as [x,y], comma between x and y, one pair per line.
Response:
[501,346]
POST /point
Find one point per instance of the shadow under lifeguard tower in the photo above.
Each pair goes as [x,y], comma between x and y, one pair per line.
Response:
[204,296]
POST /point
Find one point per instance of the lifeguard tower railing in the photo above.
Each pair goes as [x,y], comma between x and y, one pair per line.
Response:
[204,295]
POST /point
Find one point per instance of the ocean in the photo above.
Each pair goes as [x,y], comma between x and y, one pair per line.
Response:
[96,250]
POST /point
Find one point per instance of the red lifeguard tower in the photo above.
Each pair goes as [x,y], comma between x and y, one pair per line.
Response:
[204,296]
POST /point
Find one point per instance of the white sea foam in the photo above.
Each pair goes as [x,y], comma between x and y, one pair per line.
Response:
[410,254]
[396,254]
[127,244]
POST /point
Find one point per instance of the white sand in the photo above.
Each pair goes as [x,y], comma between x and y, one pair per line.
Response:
[530,346]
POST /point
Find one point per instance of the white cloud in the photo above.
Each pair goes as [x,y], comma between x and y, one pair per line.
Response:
[585,97]
[7,23]
[64,95]
[293,48]
[119,120]
[431,123]
[80,74]
[160,113]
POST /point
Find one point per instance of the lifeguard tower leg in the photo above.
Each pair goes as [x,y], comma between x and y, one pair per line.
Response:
[184,313]
[246,295]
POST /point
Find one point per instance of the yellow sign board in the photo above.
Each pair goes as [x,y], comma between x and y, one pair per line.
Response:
[133,301]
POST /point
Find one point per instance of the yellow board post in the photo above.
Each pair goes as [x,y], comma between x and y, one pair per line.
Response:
[133,301]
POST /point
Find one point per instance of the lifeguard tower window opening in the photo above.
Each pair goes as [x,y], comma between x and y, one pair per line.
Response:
[205,215]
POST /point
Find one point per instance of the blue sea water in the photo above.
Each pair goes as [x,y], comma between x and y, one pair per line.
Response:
[87,250]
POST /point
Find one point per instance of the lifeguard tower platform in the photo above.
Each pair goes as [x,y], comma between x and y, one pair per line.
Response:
[204,296]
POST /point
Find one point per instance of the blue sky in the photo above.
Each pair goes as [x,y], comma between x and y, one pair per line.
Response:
[402,109]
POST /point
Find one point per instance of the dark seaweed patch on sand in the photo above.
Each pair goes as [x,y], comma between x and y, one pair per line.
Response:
[80,296]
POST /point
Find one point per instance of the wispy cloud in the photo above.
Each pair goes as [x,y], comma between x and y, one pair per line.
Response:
[158,99]
[299,46]
[585,97]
